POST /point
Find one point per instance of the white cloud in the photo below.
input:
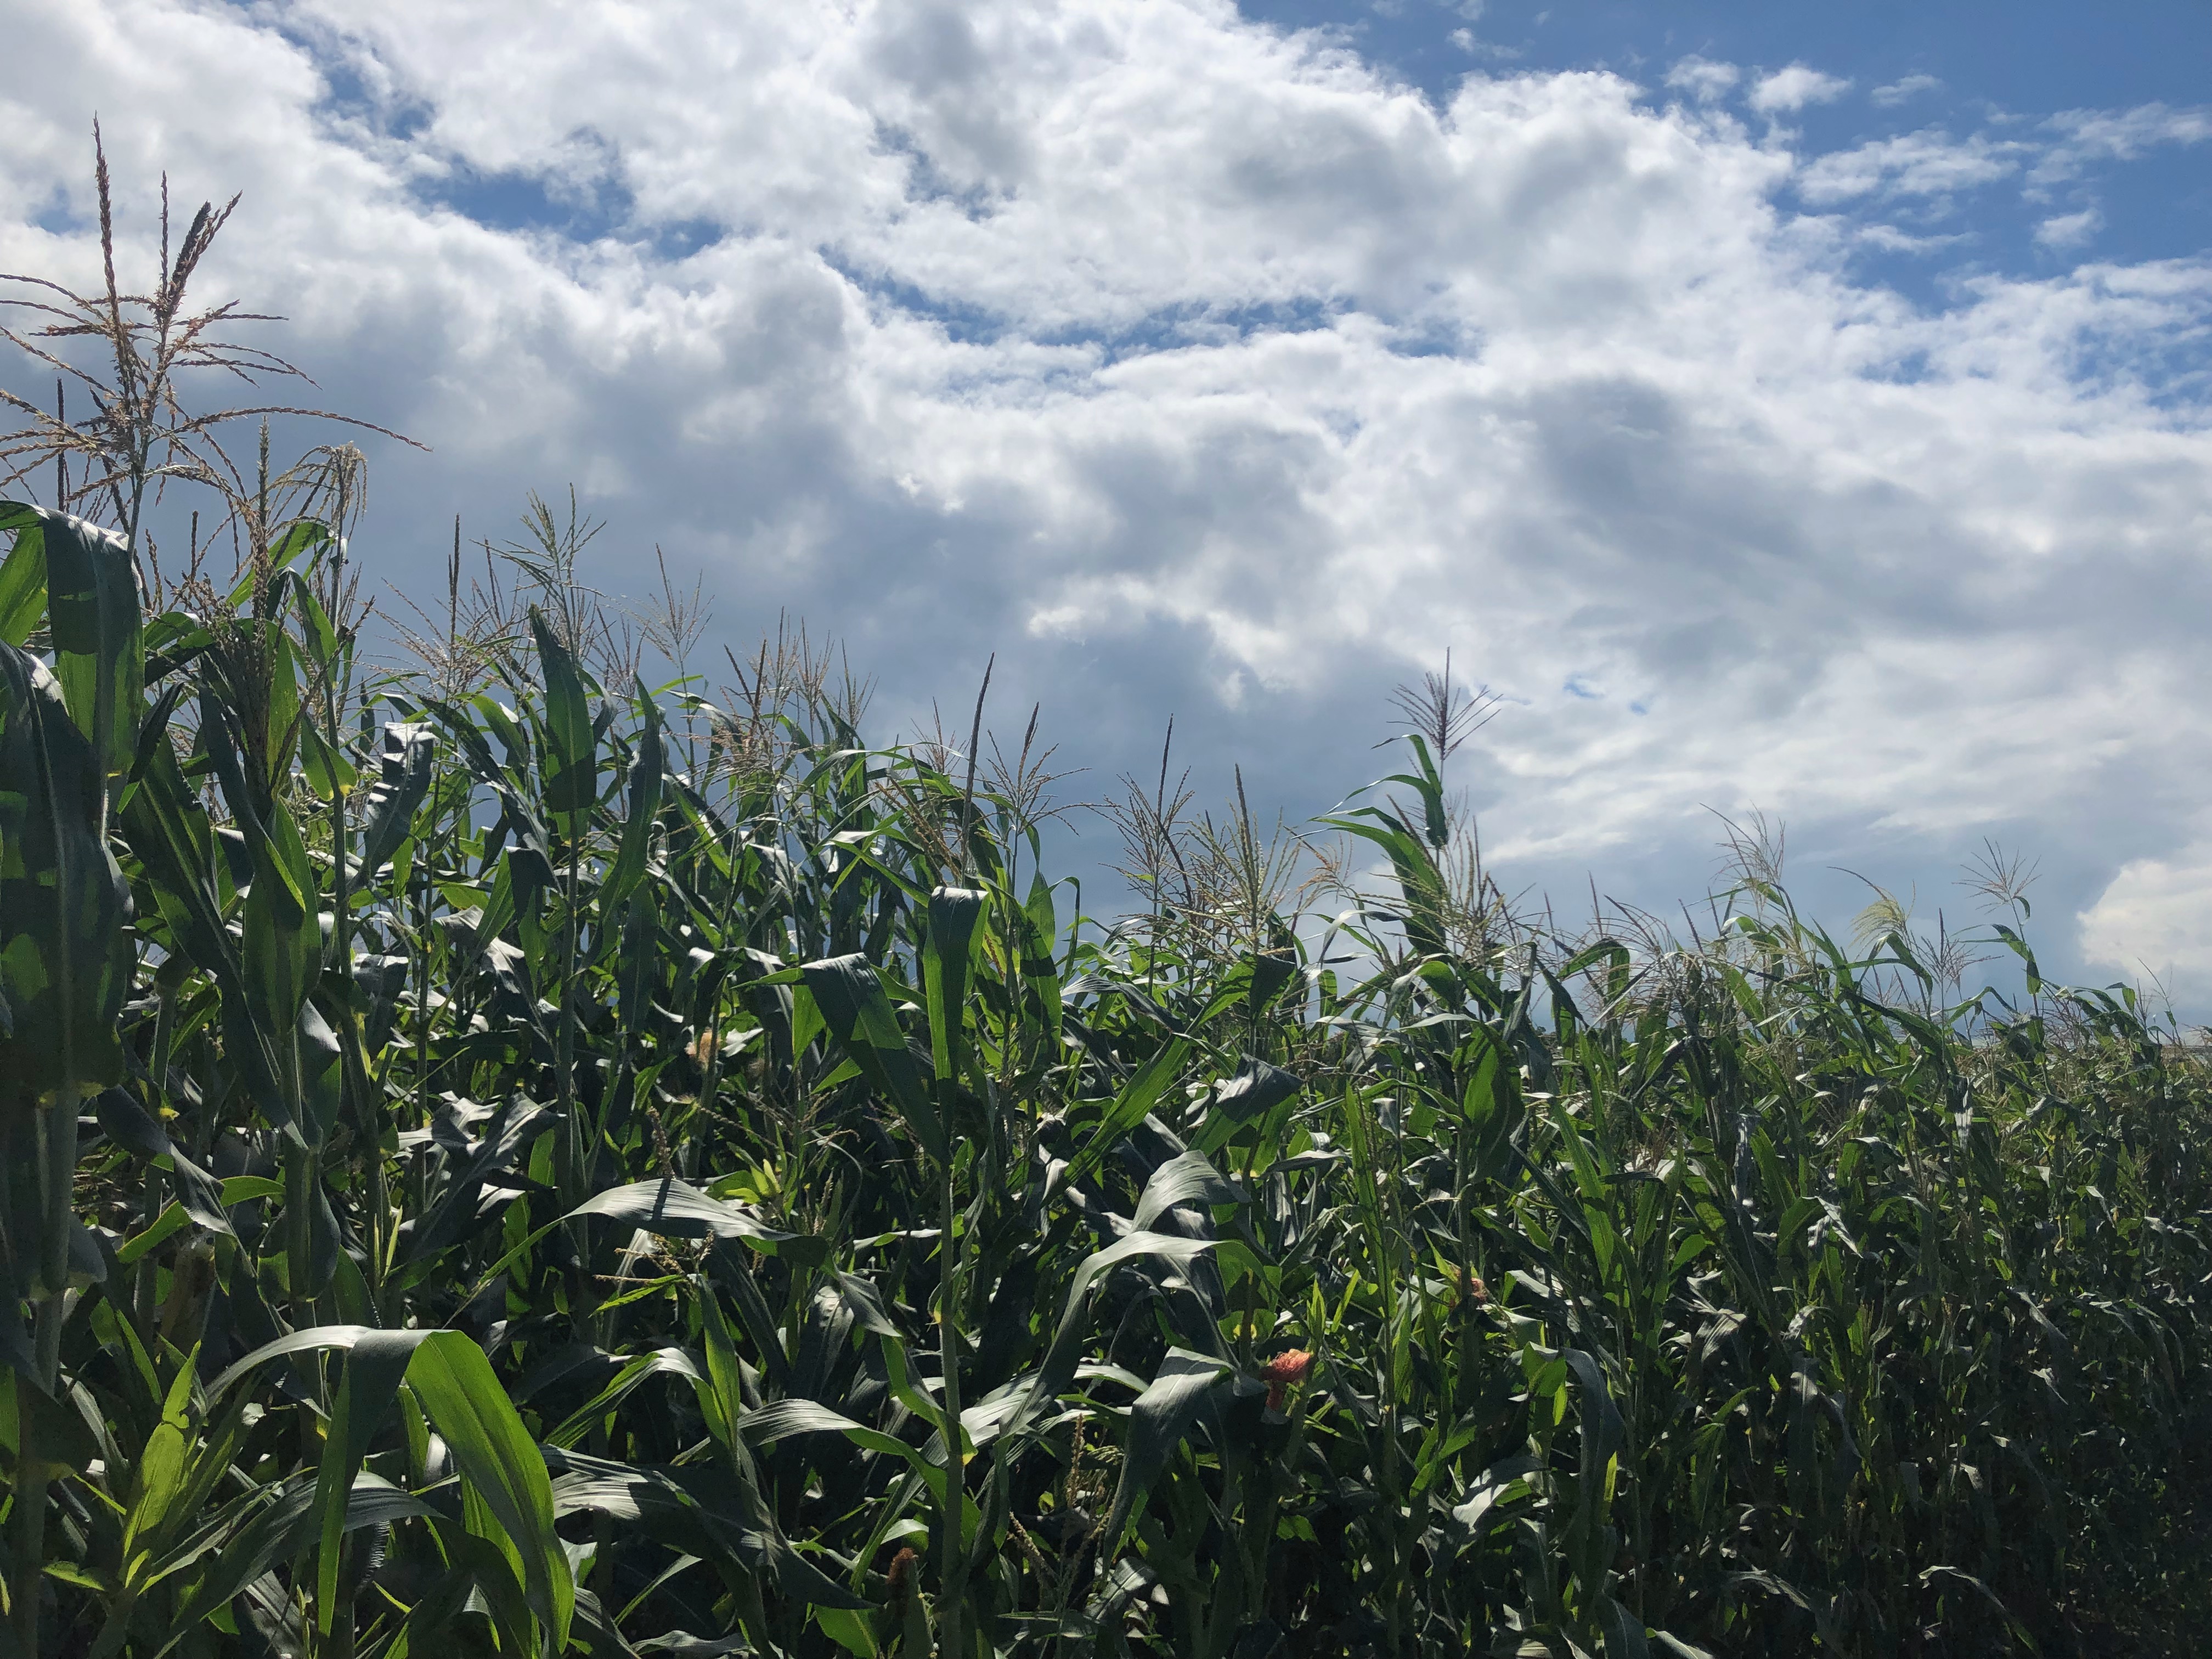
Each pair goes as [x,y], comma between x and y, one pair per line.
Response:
[1910,86]
[1890,240]
[2153,924]
[1927,163]
[1194,366]
[1794,88]
[2085,137]
[2067,230]
[1703,79]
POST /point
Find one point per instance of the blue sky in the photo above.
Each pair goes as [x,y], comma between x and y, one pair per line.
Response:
[1788,408]
[2034,56]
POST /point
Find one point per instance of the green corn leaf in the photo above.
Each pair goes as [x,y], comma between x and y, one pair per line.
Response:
[127,1123]
[1499,1484]
[328,771]
[501,1465]
[647,766]
[269,1527]
[185,1533]
[863,1024]
[954,914]
[1158,1421]
[1490,1106]
[1428,785]
[316,629]
[167,828]
[1134,1103]
[674,1209]
[1040,929]
[700,1509]
[1188,1178]
[374,1366]
[513,734]
[93,617]
[1420,882]
[172,1220]
[1061,1359]
[572,762]
[405,769]
[22,581]
[639,962]
[661,1362]
[313,1339]
[850,1631]
[65,959]
[267,710]
[1246,1099]
[428,1627]
[59,1431]
[162,1469]
[721,1391]
[301,536]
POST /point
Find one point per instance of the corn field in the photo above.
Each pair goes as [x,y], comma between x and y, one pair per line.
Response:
[503,1158]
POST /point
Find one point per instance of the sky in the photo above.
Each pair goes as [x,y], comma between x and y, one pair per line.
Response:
[1790,409]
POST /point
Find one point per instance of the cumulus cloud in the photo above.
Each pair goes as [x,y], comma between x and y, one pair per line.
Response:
[1196,366]
[1794,88]
[2153,924]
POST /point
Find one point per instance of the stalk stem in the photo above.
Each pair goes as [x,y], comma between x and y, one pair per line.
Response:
[954,1572]
[57,1155]
[26,1530]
